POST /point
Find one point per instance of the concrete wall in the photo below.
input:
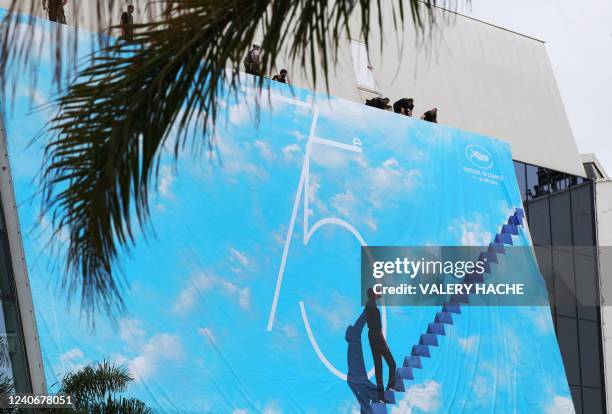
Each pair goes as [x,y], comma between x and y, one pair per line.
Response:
[486,80]
[480,77]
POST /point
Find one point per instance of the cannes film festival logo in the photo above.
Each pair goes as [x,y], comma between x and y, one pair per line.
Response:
[479,156]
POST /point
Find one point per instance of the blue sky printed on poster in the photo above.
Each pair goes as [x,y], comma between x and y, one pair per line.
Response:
[241,301]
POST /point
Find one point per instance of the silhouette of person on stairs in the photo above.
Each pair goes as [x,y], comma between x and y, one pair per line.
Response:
[379,346]
[357,376]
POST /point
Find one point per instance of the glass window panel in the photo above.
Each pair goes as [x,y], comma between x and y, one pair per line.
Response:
[593,400]
[539,221]
[561,219]
[582,215]
[11,330]
[543,180]
[577,398]
[5,268]
[533,189]
[558,181]
[590,363]
[519,169]
[567,335]
[588,312]
[544,256]
[565,297]
[586,287]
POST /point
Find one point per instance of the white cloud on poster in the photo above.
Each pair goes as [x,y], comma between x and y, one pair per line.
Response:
[159,349]
[471,232]
[341,317]
[235,158]
[264,150]
[202,282]
[561,405]
[420,398]
[344,202]
[239,114]
[72,360]
[131,331]
[209,334]
[292,152]
[272,408]
[166,178]
[469,344]
[239,257]
[390,180]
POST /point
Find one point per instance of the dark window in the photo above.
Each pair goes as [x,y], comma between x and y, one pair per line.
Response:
[561,220]
[5,275]
[539,222]
[586,287]
[593,401]
[565,297]
[577,398]
[590,364]
[544,256]
[582,216]
[558,181]
[519,169]
[533,190]
[567,335]
[15,347]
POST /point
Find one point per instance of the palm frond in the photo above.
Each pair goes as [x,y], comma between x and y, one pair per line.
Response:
[95,389]
[6,387]
[104,145]
[121,405]
[96,383]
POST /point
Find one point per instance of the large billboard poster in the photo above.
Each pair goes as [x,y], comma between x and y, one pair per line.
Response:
[248,298]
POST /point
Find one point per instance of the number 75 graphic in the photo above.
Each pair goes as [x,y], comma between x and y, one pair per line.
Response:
[301,200]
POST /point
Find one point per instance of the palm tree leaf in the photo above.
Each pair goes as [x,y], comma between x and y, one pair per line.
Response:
[123,406]
[6,387]
[95,383]
[6,384]
[103,147]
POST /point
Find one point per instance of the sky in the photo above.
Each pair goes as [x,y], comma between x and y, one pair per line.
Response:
[578,38]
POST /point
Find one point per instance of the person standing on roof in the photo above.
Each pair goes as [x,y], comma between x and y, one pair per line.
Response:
[404,106]
[252,61]
[431,116]
[127,23]
[281,77]
[379,346]
[378,102]
[55,10]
